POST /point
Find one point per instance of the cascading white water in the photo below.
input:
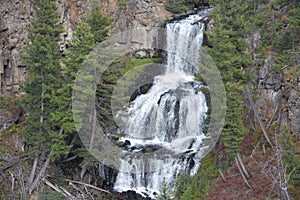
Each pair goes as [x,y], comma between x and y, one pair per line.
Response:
[163,133]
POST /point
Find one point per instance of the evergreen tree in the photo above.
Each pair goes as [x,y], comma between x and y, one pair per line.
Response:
[199,185]
[232,24]
[92,30]
[44,139]
[163,191]
[98,23]
[43,60]
[82,44]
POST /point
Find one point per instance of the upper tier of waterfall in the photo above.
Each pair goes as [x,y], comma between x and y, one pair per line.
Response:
[163,128]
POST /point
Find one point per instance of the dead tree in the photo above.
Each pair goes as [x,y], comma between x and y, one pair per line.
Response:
[258,118]
[242,173]
[242,165]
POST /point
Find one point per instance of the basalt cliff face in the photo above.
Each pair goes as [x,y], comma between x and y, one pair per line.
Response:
[16,16]
[15,21]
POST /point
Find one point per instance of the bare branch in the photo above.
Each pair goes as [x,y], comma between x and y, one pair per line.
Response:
[289,176]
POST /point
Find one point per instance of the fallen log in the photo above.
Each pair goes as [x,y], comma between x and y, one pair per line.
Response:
[242,165]
[242,174]
[88,185]
[62,191]
[222,175]
[201,20]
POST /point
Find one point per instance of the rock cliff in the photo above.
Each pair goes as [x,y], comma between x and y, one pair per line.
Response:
[16,16]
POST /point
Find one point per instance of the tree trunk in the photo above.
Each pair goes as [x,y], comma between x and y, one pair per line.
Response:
[39,176]
[242,165]
[242,174]
[59,190]
[31,177]
[94,123]
[258,118]
[88,185]
[222,175]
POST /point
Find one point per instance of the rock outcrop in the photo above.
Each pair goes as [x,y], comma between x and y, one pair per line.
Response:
[17,15]
[15,20]
[275,90]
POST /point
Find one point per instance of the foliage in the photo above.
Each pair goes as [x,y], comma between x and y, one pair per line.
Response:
[199,185]
[163,191]
[43,60]
[234,129]
[58,177]
[122,4]
[176,7]
[181,185]
[98,23]
[85,39]
[51,195]
[135,62]
[278,32]
[232,24]
[180,6]
[80,47]
[292,160]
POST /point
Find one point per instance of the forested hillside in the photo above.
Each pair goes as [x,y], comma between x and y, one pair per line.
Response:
[255,44]
[256,47]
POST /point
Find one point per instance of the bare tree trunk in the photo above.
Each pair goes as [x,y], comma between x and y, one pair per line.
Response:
[273,23]
[283,182]
[94,122]
[93,129]
[222,175]
[88,185]
[42,105]
[12,184]
[42,171]
[39,176]
[258,118]
[273,115]
[23,189]
[0,81]
[242,174]
[59,190]
[32,182]
[242,165]
[31,177]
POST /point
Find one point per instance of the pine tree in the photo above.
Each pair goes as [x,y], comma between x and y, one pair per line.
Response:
[82,44]
[91,30]
[43,60]
[164,191]
[232,23]
[98,23]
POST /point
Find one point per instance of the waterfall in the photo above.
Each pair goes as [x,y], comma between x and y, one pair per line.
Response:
[163,128]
